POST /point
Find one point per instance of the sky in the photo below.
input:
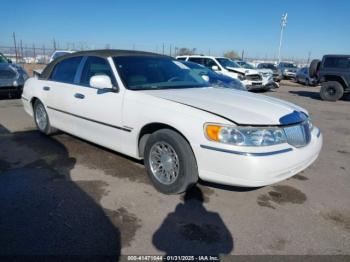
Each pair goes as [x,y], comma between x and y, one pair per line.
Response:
[216,26]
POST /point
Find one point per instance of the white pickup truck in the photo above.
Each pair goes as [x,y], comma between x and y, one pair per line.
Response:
[251,78]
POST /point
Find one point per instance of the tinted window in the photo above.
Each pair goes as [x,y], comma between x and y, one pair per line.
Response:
[65,70]
[337,62]
[95,66]
[197,60]
[210,63]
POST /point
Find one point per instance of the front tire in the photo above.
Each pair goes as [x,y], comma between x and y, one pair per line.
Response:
[41,119]
[331,91]
[170,162]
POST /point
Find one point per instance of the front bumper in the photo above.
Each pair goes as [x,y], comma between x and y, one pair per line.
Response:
[10,89]
[253,169]
[289,74]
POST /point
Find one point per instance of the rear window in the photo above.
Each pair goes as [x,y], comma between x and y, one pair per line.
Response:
[65,70]
[337,62]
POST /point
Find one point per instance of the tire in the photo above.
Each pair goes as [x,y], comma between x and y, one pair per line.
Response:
[307,82]
[42,125]
[187,172]
[314,67]
[331,91]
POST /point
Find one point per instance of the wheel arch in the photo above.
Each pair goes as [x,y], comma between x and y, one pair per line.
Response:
[339,79]
[147,130]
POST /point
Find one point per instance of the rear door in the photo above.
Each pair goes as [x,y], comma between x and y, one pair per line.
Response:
[97,113]
[56,91]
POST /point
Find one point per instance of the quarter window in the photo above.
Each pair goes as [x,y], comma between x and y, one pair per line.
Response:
[95,66]
[65,70]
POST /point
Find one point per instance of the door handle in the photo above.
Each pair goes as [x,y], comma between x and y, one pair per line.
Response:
[79,96]
[46,88]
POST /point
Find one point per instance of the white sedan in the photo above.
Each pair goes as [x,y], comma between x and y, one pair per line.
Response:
[155,108]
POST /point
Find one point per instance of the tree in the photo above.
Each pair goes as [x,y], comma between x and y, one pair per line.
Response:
[186,51]
[231,54]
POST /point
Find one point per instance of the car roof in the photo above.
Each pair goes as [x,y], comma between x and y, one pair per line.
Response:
[104,53]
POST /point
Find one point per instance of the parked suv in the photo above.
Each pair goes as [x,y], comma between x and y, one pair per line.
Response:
[251,78]
[333,72]
[12,77]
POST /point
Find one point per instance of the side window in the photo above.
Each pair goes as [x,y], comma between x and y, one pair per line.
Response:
[209,63]
[95,66]
[197,60]
[337,62]
[65,70]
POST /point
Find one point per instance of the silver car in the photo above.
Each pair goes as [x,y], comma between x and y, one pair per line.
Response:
[12,78]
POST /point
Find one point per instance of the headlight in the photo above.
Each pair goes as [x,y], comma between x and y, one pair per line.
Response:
[241,77]
[245,136]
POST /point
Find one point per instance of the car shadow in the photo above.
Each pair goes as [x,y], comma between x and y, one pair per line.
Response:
[310,94]
[193,230]
[42,211]
[227,187]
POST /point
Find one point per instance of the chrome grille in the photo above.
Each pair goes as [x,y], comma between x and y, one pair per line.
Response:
[298,135]
[7,74]
[254,77]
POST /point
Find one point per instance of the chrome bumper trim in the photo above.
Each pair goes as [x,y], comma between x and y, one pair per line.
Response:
[247,153]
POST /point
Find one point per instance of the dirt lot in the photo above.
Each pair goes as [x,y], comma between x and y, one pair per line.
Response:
[62,195]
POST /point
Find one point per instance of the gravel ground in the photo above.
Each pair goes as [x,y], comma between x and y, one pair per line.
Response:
[61,195]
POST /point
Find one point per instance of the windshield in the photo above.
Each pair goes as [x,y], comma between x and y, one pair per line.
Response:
[225,62]
[268,66]
[151,73]
[3,59]
[213,78]
[289,65]
[246,65]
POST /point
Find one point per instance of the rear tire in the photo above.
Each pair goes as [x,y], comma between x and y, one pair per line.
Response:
[41,119]
[170,162]
[331,91]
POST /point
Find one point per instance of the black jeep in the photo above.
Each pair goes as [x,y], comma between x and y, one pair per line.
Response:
[333,73]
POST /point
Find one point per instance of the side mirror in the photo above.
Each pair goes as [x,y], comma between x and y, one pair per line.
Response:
[9,60]
[101,82]
[215,68]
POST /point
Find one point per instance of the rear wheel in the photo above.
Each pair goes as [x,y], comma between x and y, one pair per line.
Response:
[331,91]
[170,162]
[42,119]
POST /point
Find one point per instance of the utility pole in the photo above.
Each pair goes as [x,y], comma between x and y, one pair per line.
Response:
[242,57]
[21,50]
[54,44]
[308,58]
[34,53]
[163,48]
[283,25]
[14,41]
[170,47]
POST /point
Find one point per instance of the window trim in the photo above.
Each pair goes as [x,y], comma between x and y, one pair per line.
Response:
[78,76]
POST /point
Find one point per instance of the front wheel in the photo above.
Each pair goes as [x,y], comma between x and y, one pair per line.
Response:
[41,118]
[170,162]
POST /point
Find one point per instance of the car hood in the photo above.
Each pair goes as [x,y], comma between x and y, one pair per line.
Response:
[264,71]
[237,106]
[242,70]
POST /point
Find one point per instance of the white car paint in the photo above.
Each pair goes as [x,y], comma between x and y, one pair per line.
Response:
[235,72]
[126,112]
